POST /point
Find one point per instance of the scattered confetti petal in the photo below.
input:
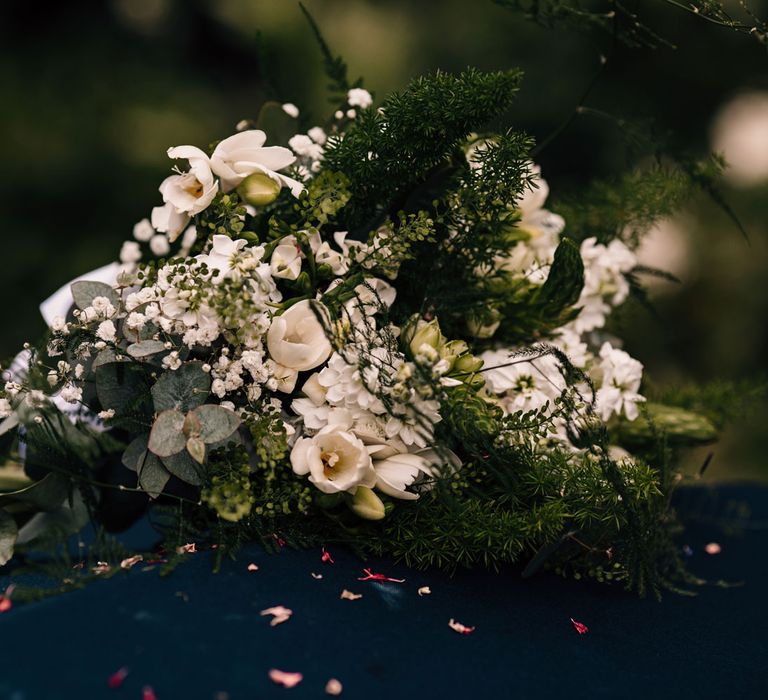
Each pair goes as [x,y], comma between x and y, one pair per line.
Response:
[101,567]
[252,567]
[131,561]
[280,541]
[327,558]
[117,678]
[580,627]
[317,577]
[288,680]
[713,548]
[348,595]
[458,627]
[333,687]
[369,576]
[425,590]
[79,565]
[148,693]
[190,548]
[5,599]
[279,615]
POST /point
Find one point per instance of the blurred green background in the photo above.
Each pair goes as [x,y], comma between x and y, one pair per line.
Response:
[94,93]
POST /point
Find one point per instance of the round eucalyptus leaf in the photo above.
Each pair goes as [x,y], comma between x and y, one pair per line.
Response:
[85,291]
[135,452]
[182,389]
[217,422]
[167,438]
[153,476]
[182,466]
[145,348]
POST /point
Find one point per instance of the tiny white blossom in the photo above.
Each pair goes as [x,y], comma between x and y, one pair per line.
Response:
[71,393]
[5,408]
[143,231]
[291,109]
[130,252]
[108,414]
[159,245]
[359,97]
[106,331]
[317,134]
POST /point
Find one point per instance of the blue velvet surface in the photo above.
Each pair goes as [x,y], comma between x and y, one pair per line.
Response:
[196,634]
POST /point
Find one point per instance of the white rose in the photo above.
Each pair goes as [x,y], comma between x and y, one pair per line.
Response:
[335,460]
[243,154]
[193,191]
[297,339]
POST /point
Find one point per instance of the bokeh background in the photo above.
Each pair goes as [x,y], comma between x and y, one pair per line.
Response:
[94,93]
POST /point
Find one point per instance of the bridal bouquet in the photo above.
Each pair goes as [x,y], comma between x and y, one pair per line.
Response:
[372,332]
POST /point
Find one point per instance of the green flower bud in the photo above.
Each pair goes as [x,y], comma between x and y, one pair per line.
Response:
[467,364]
[367,505]
[259,189]
[427,333]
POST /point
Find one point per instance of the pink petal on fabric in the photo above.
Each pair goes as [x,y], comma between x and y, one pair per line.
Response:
[131,561]
[190,548]
[348,595]
[117,678]
[5,599]
[458,627]
[284,678]
[333,687]
[713,548]
[148,693]
[424,590]
[326,558]
[279,614]
[370,576]
[580,627]
[252,567]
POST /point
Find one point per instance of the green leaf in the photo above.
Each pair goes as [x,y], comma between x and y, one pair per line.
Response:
[47,494]
[135,453]
[8,534]
[145,348]
[167,436]
[124,387]
[565,281]
[196,449]
[182,466]
[153,476]
[682,428]
[84,292]
[182,389]
[218,423]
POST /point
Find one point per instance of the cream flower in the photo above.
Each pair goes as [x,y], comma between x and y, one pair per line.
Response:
[296,339]
[335,460]
[193,191]
[223,256]
[243,154]
[286,259]
[398,471]
[167,220]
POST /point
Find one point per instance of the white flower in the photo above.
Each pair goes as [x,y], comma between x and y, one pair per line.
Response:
[159,245]
[166,219]
[621,376]
[335,460]
[397,471]
[296,339]
[187,241]
[243,154]
[5,408]
[304,146]
[223,255]
[103,307]
[291,109]
[286,259]
[71,394]
[106,331]
[107,415]
[130,252]
[524,384]
[359,97]
[190,192]
[317,134]
[143,231]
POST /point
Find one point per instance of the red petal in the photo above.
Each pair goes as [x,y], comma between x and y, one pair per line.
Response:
[580,627]
[117,678]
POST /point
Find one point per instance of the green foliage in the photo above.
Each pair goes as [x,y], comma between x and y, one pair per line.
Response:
[8,534]
[387,153]
[182,389]
[84,292]
[681,427]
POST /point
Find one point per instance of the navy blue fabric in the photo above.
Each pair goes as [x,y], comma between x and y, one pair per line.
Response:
[196,634]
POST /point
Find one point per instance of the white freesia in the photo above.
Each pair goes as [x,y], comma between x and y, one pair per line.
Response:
[243,154]
[286,259]
[167,220]
[398,471]
[190,192]
[335,460]
[223,255]
[621,379]
[296,339]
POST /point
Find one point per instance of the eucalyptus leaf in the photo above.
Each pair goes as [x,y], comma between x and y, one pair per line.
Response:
[8,534]
[217,422]
[124,387]
[85,291]
[182,389]
[153,476]
[167,436]
[135,452]
[145,348]
[196,449]
[47,494]
[182,466]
